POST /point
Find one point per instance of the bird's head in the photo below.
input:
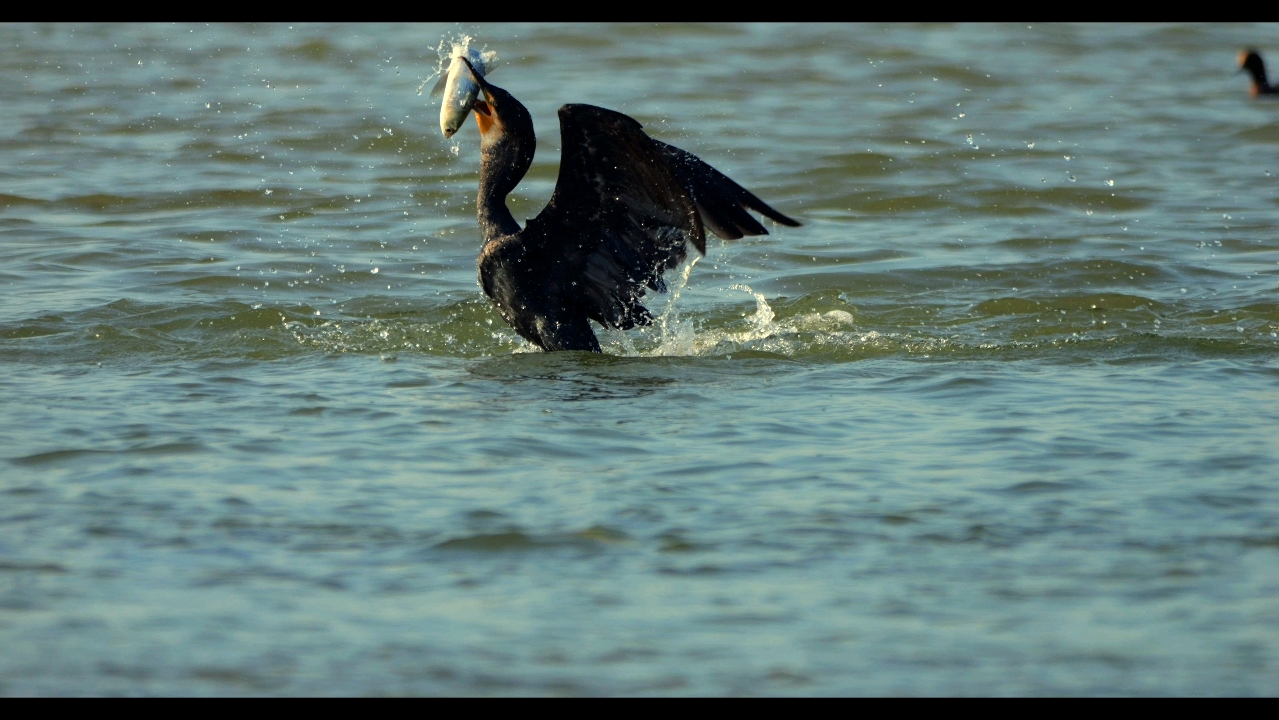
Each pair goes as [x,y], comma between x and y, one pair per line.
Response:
[499,115]
[1250,60]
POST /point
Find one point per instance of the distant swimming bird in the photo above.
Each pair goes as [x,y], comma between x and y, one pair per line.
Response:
[1250,60]
[624,208]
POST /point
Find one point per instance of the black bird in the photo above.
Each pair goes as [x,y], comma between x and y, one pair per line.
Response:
[624,208]
[1250,60]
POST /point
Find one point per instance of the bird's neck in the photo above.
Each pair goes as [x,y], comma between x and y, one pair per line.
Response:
[1259,84]
[501,169]
[495,219]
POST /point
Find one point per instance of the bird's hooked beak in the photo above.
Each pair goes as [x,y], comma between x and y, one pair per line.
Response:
[484,115]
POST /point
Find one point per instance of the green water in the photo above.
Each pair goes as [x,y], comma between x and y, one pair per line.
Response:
[1000,418]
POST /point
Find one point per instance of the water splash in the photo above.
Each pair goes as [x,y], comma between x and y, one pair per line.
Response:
[669,335]
[445,52]
[450,45]
[676,334]
[762,325]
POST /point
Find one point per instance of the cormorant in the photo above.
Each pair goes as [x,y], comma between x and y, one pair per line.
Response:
[624,208]
[1250,60]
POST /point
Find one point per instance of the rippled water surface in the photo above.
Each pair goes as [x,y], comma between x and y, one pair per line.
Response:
[1002,417]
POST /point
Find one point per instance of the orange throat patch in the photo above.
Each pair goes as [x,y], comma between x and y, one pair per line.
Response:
[484,117]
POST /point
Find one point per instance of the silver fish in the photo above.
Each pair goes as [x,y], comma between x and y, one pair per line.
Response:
[457,86]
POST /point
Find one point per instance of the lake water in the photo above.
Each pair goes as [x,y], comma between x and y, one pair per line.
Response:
[1001,418]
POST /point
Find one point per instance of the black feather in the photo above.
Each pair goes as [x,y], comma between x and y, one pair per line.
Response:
[624,210]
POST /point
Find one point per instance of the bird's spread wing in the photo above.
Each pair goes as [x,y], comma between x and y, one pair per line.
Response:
[721,203]
[619,216]
[625,206]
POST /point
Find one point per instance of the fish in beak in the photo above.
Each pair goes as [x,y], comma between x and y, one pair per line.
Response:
[458,86]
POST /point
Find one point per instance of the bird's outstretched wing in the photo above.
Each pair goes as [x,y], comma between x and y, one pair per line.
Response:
[721,203]
[624,208]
